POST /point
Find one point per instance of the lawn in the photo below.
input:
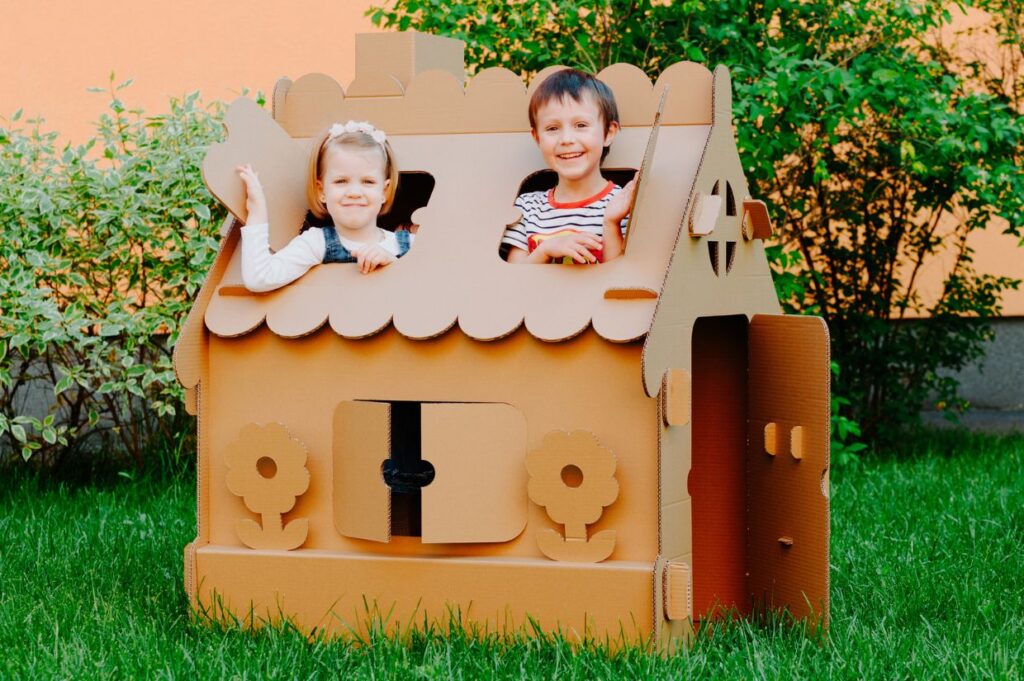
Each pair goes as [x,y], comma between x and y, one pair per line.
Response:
[926,582]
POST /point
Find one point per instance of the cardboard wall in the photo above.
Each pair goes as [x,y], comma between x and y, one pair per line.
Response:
[313,375]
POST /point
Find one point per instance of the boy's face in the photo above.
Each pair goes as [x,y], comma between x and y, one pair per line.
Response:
[571,136]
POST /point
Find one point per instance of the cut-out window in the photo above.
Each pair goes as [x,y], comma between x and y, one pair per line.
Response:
[714,190]
[713,255]
[545,180]
[730,255]
[730,200]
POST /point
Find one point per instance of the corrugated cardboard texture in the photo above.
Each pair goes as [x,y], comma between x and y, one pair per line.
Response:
[312,376]
[607,600]
[362,502]
[789,519]
[479,489]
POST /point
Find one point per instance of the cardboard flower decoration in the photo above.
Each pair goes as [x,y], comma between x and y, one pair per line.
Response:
[267,468]
[573,477]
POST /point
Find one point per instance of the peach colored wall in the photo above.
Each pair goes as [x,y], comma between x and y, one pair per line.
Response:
[51,51]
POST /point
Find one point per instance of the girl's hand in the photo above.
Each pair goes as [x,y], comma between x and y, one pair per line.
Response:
[372,256]
[576,246]
[255,199]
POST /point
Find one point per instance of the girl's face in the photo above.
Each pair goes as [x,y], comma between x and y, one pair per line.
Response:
[353,186]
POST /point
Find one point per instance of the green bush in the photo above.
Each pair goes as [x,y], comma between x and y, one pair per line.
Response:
[102,248]
[877,150]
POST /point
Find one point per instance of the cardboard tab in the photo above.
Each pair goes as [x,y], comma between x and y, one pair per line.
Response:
[678,592]
[757,224]
[677,397]
[361,444]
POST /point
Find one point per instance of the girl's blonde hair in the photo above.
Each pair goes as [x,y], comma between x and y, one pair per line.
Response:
[355,140]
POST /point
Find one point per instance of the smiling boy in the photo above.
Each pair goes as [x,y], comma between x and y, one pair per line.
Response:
[573,119]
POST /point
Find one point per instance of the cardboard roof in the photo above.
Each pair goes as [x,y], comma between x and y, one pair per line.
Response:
[475,142]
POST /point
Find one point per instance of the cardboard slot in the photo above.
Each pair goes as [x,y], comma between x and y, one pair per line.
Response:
[718,475]
[632,293]
[730,256]
[730,200]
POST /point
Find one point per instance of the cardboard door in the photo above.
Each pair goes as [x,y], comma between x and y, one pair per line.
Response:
[478,452]
[361,443]
[788,459]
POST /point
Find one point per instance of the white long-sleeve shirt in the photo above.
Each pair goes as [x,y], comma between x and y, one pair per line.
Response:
[266,271]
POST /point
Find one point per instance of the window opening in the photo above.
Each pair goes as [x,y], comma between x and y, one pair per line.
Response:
[730,200]
[730,255]
[543,180]
[713,255]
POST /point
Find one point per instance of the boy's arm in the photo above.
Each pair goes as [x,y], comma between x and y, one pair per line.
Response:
[614,214]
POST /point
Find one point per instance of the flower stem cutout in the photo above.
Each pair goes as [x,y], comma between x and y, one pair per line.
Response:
[267,468]
[573,477]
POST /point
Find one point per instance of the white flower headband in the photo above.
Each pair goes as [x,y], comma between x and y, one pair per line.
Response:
[365,127]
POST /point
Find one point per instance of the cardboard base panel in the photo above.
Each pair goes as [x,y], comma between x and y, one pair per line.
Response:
[341,594]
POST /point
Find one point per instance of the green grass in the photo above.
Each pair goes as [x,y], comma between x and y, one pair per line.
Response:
[927,556]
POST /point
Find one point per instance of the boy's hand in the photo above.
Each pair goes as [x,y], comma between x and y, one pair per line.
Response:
[615,212]
[618,207]
[255,199]
[576,246]
[372,256]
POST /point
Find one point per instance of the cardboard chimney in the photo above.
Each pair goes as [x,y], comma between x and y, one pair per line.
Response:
[615,451]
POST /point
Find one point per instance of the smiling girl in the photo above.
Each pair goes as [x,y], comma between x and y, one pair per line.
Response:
[352,179]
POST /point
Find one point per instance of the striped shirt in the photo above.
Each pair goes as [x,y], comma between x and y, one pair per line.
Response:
[542,215]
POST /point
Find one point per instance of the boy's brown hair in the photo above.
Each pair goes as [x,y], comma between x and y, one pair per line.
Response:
[574,83]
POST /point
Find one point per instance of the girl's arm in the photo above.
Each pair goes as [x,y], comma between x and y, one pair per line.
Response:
[264,271]
[261,270]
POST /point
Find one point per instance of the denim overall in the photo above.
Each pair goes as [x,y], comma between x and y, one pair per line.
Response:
[338,253]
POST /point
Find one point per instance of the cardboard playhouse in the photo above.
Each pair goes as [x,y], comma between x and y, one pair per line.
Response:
[614,451]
